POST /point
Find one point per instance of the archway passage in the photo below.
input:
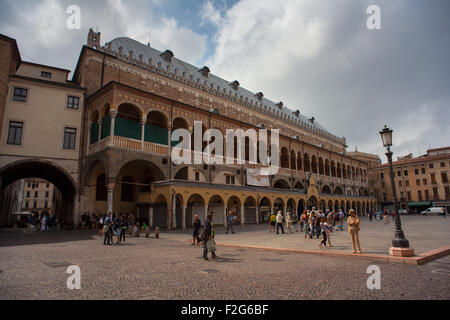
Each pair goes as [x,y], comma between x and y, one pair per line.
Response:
[64,206]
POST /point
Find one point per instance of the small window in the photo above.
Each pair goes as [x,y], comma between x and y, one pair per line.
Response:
[407,183]
[45,204]
[48,185]
[47,75]
[20,94]
[382,175]
[70,135]
[425,182]
[431,166]
[15,133]
[73,102]
[399,173]
[416,172]
[28,194]
[27,204]
[406,173]
[418,182]
[46,194]
[34,205]
[197,176]
[36,194]
[423,170]
[442,164]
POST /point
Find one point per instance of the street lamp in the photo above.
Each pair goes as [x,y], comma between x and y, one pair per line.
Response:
[400,245]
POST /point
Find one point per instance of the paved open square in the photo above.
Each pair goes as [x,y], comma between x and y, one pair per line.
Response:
[33,266]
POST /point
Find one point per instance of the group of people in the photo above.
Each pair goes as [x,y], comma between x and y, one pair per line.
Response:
[205,235]
[316,223]
[381,215]
[41,222]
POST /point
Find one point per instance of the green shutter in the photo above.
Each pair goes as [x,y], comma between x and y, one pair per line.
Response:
[106,127]
[94,132]
[127,129]
[156,134]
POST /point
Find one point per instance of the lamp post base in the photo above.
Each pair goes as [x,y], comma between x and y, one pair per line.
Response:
[401,252]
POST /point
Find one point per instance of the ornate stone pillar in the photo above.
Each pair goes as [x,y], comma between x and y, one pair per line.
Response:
[110,186]
[205,212]
[257,214]
[150,216]
[113,115]
[100,123]
[183,217]
[242,215]
[174,213]
[143,122]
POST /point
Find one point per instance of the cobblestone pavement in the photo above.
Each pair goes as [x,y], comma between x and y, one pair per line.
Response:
[34,267]
[424,233]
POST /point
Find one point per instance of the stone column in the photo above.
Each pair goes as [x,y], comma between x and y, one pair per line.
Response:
[100,123]
[174,212]
[242,215]
[257,214]
[110,186]
[143,122]
[113,115]
[206,211]
[89,136]
[183,217]
[150,216]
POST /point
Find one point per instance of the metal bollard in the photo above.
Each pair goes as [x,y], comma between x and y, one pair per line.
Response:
[147,232]
[157,233]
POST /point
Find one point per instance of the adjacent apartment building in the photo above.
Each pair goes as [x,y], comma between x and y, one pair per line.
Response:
[420,182]
[41,115]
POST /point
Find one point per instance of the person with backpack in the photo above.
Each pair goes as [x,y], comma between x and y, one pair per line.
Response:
[106,229]
[295,221]
[208,238]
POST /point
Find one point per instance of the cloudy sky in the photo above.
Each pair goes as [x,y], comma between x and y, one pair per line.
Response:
[317,56]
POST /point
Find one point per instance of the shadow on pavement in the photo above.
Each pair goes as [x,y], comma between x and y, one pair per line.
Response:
[19,238]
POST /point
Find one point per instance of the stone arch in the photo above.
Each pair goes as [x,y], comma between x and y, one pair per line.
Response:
[195,205]
[299,186]
[326,189]
[234,204]
[306,163]
[314,164]
[293,160]
[50,171]
[160,212]
[216,207]
[299,161]
[284,158]
[281,184]
[250,207]
[338,190]
[279,205]
[321,167]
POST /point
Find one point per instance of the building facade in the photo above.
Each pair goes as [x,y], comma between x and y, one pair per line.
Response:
[420,182]
[137,96]
[104,140]
[38,196]
[40,125]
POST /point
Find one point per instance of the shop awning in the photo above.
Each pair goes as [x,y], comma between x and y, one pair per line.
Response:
[419,204]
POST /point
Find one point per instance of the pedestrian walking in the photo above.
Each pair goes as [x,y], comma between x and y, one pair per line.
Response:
[370,215]
[123,228]
[295,220]
[317,225]
[353,229]
[288,223]
[324,229]
[303,220]
[280,222]
[230,222]
[106,229]
[196,234]
[208,238]
[272,222]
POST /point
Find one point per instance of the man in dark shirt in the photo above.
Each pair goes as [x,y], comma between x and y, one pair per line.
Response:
[197,226]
